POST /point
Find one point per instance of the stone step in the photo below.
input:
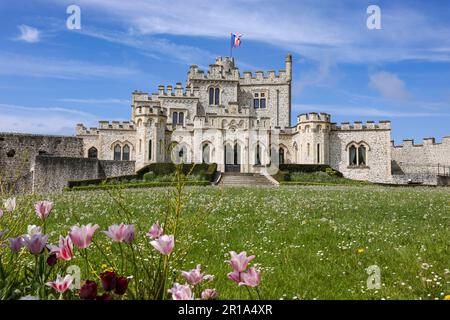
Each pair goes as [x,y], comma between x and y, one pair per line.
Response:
[244,179]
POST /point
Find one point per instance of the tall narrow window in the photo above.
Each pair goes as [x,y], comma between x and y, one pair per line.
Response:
[211,96]
[206,151]
[281,156]
[92,153]
[258,155]
[174,118]
[352,156]
[216,96]
[262,101]
[181,118]
[318,153]
[117,152]
[126,153]
[256,101]
[150,149]
[307,150]
[362,155]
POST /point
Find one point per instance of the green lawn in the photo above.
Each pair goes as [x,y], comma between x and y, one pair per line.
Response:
[311,242]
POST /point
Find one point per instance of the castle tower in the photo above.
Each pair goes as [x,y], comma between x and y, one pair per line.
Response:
[313,138]
[150,120]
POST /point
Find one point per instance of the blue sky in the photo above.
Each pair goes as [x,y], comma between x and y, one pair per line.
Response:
[52,78]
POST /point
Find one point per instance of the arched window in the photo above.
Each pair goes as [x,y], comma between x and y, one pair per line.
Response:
[211,96]
[258,155]
[352,156]
[126,153]
[281,156]
[117,152]
[362,155]
[174,118]
[181,118]
[214,96]
[150,146]
[92,153]
[205,155]
[182,154]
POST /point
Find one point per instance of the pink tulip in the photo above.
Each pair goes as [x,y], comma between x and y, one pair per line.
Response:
[195,276]
[15,244]
[36,243]
[239,262]
[251,278]
[121,232]
[164,244]
[43,209]
[1,212]
[209,294]
[181,292]
[65,249]
[61,284]
[82,236]
[235,276]
[155,231]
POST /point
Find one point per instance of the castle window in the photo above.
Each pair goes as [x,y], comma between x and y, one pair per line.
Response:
[352,156]
[181,118]
[150,150]
[259,100]
[258,155]
[126,153]
[308,150]
[214,96]
[206,151]
[174,118]
[318,153]
[117,152]
[362,155]
[281,156]
[92,153]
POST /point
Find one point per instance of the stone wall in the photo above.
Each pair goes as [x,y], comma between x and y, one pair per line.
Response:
[52,174]
[378,168]
[18,151]
[429,157]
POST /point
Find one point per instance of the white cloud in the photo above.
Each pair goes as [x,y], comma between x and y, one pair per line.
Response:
[28,34]
[310,28]
[21,65]
[389,85]
[42,120]
[96,101]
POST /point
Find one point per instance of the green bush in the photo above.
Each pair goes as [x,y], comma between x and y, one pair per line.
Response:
[135,185]
[149,176]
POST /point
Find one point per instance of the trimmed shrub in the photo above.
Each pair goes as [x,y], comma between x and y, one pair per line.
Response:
[135,185]
[149,176]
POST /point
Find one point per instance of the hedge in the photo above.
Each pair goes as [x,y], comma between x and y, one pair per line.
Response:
[313,183]
[89,182]
[134,185]
[168,168]
[306,168]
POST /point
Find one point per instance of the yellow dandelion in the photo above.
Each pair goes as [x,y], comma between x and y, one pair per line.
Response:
[361,250]
[447,297]
[104,266]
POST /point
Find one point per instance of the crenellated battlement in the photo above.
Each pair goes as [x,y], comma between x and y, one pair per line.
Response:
[105,125]
[313,117]
[177,91]
[431,141]
[359,125]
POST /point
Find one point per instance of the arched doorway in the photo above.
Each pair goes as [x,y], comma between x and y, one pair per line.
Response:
[232,157]
[92,153]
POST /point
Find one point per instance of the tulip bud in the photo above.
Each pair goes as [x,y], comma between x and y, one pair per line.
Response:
[104,296]
[121,285]
[89,290]
[108,280]
[52,259]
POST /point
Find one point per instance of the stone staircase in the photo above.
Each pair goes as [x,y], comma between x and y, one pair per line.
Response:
[244,179]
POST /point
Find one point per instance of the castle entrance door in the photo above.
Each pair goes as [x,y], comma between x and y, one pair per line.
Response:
[232,158]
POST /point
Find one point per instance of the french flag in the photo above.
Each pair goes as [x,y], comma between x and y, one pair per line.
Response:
[235,40]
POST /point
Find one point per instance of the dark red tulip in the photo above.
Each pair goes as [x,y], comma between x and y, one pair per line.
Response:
[52,259]
[121,285]
[104,296]
[89,290]
[108,280]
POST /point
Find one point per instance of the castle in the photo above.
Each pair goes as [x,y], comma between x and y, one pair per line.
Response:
[241,122]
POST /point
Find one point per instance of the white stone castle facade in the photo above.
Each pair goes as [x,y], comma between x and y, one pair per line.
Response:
[242,122]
